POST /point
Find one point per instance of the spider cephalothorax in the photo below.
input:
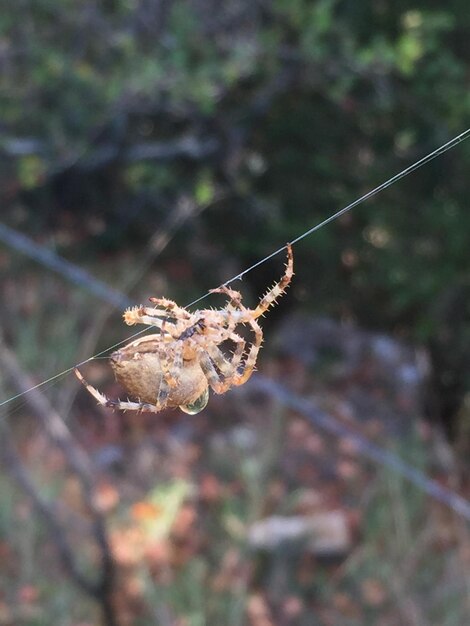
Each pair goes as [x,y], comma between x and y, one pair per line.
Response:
[176,366]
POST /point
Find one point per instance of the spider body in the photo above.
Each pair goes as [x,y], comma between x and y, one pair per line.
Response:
[191,353]
[141,370]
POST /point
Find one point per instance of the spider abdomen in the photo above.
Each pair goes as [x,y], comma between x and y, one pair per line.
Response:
[139,369]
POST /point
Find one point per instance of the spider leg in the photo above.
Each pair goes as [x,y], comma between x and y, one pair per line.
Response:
[145,315]
[165,303]
[278,289]
[153,317]
[163,393]
[171,371]
[170,374]
[212,356]
[212,375]
[115,404]
[178,311]
[249,364]
[228,367]
[235,297]
[101,398]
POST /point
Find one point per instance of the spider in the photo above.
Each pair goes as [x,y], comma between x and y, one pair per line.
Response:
[176,366]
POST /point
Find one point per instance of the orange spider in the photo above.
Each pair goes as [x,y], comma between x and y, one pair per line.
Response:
[176,366]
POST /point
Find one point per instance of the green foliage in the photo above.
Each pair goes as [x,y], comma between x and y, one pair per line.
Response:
[309,105]
[269,116]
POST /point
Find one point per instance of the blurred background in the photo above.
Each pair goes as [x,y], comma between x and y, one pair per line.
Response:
[159,148]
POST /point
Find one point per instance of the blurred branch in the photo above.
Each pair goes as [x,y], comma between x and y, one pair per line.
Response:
[53,261]
[185,209]
[82,466]
[369,449]
[186,147]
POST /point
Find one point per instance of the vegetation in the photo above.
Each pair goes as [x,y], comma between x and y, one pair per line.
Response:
[164,146]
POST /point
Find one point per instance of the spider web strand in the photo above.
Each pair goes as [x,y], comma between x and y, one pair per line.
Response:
[391,181]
